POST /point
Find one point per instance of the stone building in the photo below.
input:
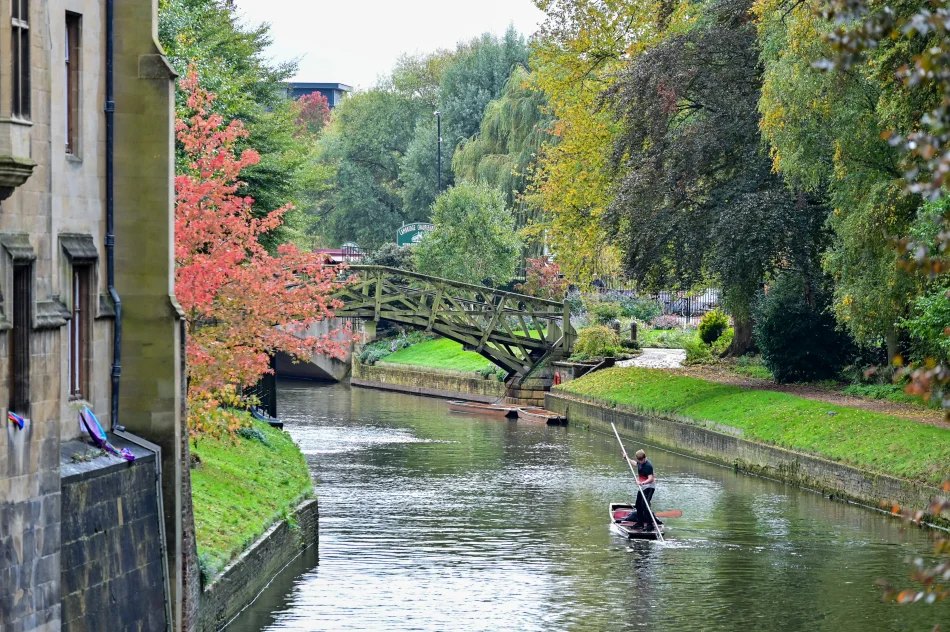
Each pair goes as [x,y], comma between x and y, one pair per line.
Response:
[86,218]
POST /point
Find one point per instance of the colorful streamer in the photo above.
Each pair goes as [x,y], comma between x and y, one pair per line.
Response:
[89,421]
[16,420]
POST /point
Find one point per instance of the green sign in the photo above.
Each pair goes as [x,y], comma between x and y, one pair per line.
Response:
[411,234]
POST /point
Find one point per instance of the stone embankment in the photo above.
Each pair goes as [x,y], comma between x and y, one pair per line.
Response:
[407,378]
[719,445]
[242,580]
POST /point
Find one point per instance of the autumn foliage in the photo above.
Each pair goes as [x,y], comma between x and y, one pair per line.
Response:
[242,303]
[543,279]
[313,113]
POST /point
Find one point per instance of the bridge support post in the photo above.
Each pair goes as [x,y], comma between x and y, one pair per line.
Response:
[530,390]
[369,330]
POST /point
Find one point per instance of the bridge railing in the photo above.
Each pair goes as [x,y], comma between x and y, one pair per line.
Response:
[515,331]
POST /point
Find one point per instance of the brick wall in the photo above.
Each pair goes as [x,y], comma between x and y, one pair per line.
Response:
[112,575]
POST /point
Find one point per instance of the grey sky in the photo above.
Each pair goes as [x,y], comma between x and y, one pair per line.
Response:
[356,41]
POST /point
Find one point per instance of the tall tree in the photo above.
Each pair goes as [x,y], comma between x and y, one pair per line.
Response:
[243,303]
[827,135]
[580,48]
[696,194]
[474,240]
[230,58]
[505,151]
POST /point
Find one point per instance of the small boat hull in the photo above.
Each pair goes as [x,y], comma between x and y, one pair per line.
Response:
[625,529]
[542,416]
[262,416]
[477,408]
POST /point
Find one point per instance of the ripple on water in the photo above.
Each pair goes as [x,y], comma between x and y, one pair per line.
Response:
[432,521]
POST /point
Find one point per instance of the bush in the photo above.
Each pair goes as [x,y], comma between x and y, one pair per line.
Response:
[929,320]
[597,341]
[642,309]
[698,352]
[393,256]
[718,348]
[712,325]
[630,345]
[666,321]
[606,313]
[798,338]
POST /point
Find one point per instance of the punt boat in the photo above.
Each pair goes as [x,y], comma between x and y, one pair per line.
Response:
[625,529]
[531,413]
[477,408]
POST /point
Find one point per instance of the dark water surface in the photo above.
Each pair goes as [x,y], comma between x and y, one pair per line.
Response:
[437,521]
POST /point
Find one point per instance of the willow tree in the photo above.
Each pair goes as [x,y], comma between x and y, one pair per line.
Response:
[503,153]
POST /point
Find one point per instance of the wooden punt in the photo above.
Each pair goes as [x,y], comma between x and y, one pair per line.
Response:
[531,413]
[477,408]
[625,529]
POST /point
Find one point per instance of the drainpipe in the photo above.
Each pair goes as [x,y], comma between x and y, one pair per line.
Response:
[110,209]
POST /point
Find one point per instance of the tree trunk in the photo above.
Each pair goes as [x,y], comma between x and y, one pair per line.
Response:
[742,342]
[891,344]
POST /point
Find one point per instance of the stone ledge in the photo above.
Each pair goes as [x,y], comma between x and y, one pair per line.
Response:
[721,446]
[426,381]
[243,580]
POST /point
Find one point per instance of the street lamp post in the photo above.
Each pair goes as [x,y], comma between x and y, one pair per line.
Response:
[438,119]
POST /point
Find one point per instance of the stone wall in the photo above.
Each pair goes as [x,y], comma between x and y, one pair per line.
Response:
[725,446]
[418,380]
[243,580]
[112,573]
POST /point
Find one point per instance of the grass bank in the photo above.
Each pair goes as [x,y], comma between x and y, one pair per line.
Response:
[439,354]
[867,440]
[242,487]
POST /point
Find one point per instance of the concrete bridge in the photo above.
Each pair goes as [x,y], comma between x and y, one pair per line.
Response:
[519,333]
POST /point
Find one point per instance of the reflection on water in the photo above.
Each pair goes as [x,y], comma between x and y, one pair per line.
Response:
[436,521]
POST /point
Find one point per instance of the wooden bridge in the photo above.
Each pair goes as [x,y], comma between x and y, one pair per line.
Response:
[518,333]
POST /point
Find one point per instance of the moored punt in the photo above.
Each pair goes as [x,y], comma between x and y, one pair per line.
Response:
[492,410]
[625,529]
[530,413]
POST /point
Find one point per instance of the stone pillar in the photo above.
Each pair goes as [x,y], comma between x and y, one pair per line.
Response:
[151,384]
[369,330]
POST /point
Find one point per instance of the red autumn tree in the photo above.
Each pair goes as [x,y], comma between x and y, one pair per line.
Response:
[543,279]
[242,303]
[313,113]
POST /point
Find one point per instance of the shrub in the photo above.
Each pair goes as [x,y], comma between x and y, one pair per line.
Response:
[666,321]
[698,352]
[712,325]
[543,279]
[718,348]
[929,320]
[393,256]
[630,345]
[643,309]
[798,337]
[606,313]
[598,341]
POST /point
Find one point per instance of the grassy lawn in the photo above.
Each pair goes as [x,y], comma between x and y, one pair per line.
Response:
[241,489]
[872,441]
[439,354]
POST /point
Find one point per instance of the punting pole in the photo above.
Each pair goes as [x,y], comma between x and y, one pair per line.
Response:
[637,480]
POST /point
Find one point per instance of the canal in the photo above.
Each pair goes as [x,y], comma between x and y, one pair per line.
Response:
[437,521]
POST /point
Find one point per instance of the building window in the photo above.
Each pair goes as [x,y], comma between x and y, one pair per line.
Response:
[79,332]
[21,58]
[73,30]
[20,339]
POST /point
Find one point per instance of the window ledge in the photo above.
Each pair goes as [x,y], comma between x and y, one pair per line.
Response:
[51,314]
[16,121]
[14,171]
[70,157]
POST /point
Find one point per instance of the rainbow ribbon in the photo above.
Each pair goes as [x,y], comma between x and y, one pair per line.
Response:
[15,419]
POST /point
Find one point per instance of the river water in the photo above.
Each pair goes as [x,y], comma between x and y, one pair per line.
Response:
[438,521]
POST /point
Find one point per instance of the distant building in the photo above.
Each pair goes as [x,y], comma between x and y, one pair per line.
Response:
[334,92]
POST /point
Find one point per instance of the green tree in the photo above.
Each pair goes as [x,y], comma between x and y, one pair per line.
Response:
[474,240]
[696,195]
[231,60]
[366,144]
[504,152]
[827,134]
